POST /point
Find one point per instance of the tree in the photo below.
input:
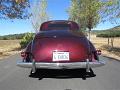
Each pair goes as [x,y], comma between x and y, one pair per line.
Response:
[11,9]
[88,13]
[39,14]
[85,13]
[74,13]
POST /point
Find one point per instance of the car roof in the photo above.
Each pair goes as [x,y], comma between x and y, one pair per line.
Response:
[73,24]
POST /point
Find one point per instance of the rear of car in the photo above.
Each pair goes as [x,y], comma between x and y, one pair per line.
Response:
[60,45]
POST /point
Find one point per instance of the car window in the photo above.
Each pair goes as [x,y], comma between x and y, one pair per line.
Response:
[58,27]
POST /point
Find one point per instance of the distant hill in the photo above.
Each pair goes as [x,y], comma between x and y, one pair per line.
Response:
[12,36]
[115,28]
[96,31]
[112,32]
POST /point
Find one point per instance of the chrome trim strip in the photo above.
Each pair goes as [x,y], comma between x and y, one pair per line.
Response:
[72,65]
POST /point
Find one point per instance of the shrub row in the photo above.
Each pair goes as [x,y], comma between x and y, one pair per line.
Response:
[110,33]
[12,36]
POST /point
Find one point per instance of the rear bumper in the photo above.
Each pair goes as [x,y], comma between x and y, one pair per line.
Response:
[72,65]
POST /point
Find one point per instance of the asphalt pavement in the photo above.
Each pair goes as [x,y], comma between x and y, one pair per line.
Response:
[13,77]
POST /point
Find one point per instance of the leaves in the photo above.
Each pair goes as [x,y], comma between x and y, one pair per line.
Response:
[84,12]
[26,39]
[20,1]
[88,13]
[14,9]
[39,14]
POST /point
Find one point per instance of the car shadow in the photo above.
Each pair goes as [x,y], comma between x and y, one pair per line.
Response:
[62,74]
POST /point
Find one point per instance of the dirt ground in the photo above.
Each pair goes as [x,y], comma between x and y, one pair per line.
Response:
[102,44]
[9,47]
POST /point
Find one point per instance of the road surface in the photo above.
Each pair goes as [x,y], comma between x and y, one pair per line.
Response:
[16,78]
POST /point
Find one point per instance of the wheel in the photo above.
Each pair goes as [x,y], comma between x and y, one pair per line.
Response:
[84,77]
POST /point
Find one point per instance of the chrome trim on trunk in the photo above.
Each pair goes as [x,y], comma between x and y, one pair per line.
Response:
[71,65]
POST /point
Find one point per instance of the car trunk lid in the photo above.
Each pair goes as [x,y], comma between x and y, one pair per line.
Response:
[60,43]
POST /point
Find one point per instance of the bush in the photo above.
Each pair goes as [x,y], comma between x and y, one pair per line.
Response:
[4,38]
[112,33]
[26,39]
[12,36]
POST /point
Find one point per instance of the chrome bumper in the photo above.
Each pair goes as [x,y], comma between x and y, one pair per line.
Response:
[72,65]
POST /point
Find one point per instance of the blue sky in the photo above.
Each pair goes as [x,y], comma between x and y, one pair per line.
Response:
[56,9]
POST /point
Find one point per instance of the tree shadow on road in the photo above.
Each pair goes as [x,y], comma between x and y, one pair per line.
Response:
[62,74]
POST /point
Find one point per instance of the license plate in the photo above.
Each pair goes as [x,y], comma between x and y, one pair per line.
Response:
[60,56]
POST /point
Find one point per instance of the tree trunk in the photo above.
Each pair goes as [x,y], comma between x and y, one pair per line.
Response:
[89,33]
[112,42]
[108,41]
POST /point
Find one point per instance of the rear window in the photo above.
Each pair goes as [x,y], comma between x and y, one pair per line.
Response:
[58,26]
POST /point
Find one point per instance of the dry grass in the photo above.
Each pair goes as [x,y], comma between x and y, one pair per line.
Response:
[102,43]
[8,47]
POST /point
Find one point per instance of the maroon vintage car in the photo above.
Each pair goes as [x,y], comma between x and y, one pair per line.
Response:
[60,45]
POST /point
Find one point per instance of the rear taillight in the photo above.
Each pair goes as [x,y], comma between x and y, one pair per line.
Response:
[98,52]
[23,54]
